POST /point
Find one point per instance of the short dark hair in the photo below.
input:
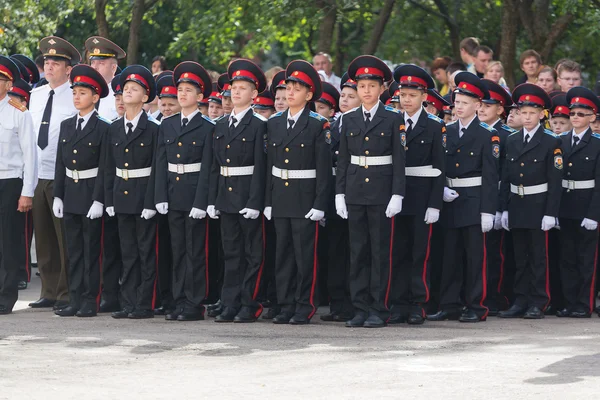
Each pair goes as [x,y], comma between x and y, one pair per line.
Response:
[568,66]
[163,62]
[469,44]
[456,66]
[484,49]
[440,63]
[528,54]
[39,61]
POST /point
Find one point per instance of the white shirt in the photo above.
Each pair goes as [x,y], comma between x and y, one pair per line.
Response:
[240,116]
[530,133]
[154,114]
[372,111]
[133,121]
[294,117]
[461,126]
[580,136]
[335,80]
[108,108]
[414,118]
[86,118]
[62,108]
[18,147]
[189,117]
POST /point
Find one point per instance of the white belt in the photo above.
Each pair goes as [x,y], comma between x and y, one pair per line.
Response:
[527,190]
[365,161]
[575,185]
[423,171]
[294,173]
[237,171]
[184,168]
[333,171]
[463,182]
[87,174]
[134,173]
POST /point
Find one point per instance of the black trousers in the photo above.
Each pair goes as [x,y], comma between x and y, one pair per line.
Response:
[215,261]
[338,272]
[112,263]
[436,258]
[497,258]
[164,293]
[371,234]
[464,269]
[411,265]
[532,283]
[268,289]
[138,249]
[189,244]
[296,265]
[12,227]
[25,274]
[243,248]
[578,265]
[83,237]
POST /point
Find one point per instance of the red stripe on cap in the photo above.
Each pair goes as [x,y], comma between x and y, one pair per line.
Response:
[169,90]
[388,101]
[561,110]
[138,78]
[264,101]
[584,101]
[497,96]
[226,87]
[6,72]
[412,80]
[471,88]
[304,78]
[327,97]
[245,74]
[369,71]
[435,102]
[20,92]
[532,99]
[192,77]
[88,81]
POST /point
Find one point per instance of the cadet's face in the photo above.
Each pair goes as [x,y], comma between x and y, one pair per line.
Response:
[440,76]
[348,99]
[322,63]
[297,94]
[411,100]
[56,72]
[168,106]
[530,66]
[545,80]
[448,118]
[106,68]
[481,61]
[215,110]
[84,98]
[466,106]
[265,113]
[227,105]
[581,122]
[595,126]
[120,106]
[369,91]
[324,110]
[134,93]
[242,93]
[188,95]
[531,116]
[430,108]
[5,86]
[489,113]
[514,119]
[280,100]
[568,80]
[560,124]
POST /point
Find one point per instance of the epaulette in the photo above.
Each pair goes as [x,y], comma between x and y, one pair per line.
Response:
[508,128]
[317,116]
[16,104]
[486,126]
[170,116]
[392,109]
[208,119]
[565,133]
[435,118]
[451,123]
[152,119]
[349,111]
[101,118]
[221,118]
[259,116]
[596,135]
[549,132]
[277,114]
[514,133]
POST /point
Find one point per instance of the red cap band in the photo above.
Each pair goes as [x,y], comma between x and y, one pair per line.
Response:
[226,87]
[264,101]
[435,102]
[304,78]
[168,90]
[388,101]
[192,77]
[328,98]
[497,96]
[369,71]
[20,92]
[6,72]
[139,79]
[585,102]
[88,81]
[245,74]
[412,80]
[471,88]
[561,110]
[529,98]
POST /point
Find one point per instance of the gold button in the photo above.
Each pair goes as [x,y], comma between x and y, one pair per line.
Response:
[228,161]
[228,146]
[535,160]
[126,192]
[74,151]
[127,164]
[64,140]
[287,150]
[522,164]
[367,138]
[193,142]
[302,145]
[351,134]
[337,152]
[286,161]
[89,144]
[587,158]
[422,141]
[74,162]
[471,153]
[230,188]
[382,133]
[287,184]
[570,164]
[126,150]
[179,144]
[457,165]
[458,151]
[521,175]
[178,155]
[367,152]
[76,180]
[243,139]
[406,148]
[177,178]
[367,180]
[366,167]
[142,144]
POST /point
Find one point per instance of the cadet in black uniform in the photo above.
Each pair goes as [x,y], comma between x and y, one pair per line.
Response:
[183,162]
[264,104]
[435,103]
[298,177]
[531,187]
[425,178]
[79,183]
[580,205]
[370,180]
[237,190]
[471,194]
[224,87]
[559,114]
[129,192]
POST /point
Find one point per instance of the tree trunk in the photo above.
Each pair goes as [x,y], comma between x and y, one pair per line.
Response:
[508,41]
[327,25]
[137,15]
[379,27]
[101,21]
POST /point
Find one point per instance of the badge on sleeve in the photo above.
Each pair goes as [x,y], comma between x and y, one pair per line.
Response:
[444,140]
[496,150]
[403,138]
[558,160]
[328,137]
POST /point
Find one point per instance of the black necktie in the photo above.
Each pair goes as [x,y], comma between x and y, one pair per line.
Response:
[45,127]
[526,139]
[409,130]
[367,117]
[130,128]
[184,122]
[97,105]
[290,124]
[232,122]
[575,140]
[462,131]
[79,125]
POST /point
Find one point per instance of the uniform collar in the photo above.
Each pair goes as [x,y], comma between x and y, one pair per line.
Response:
[295,117]
[189,117]
[372,111]
[531,132]
[466,126]
[239,116]
[86,118]
[134,121]
[414,118]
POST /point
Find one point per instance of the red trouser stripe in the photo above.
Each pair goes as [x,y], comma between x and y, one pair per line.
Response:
[314,279]
[593,284]
[484,278]
[425,263]
[547,274]
[260,270]
[389,285]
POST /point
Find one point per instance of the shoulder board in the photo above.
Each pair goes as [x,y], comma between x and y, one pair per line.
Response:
[549,132]
[508,128]
[596,135]
[277,114]
[565,133]
[392,109]
[486,126]
[317,116]
[208,119]
[222,117]
[349,111]
[17,105]
[102,119]
[435,118]
[152,119]
[259,116]
[451,123]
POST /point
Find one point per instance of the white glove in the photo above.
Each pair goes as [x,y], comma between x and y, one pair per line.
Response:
[162,208]
[110,211]
[589,224]
[96,210]
[498,221]
[197,213]
[504,220]
[267,212]
[213,212]
[449,195]
[340,206]
[487,222]
[315,215]
[548,223]
[148,214]
[57,207]
[432,215]
[394,206]
[249,213]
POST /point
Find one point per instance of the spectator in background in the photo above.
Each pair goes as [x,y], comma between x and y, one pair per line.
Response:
[438,70]
[569,75]
[451,71]
[531,64]
[159,64]
[322,62]
[270,73]
[547,79]
[483,56]
[39,63]
[495,72]
[467,52]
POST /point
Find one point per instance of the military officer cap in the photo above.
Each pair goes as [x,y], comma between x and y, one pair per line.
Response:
[413,76]
[369,67]
[246,70]
[57,48]
[528,94]
[30,67]
[115,84]
[582,97]
[278,82]
[470,85]
[435,99]
[24,74]
[9,70]
[22,89]
[99,48]
[86,76]
[142,76]
[165,87]
[264,101]
[304,73]
[498,95]
[194,73]
[215,95]
[560,107]
[330,96]
[394,91]
[224,85]
[347,82]
[385,98]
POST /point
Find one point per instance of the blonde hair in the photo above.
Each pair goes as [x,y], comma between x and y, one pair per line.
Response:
[495,64]
[270,73]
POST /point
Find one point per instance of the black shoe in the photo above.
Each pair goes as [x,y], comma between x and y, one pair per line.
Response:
[213,306]
[550,310]
[493,312]
[141,314]
[272,313]
[374,322]
[60,304]
[534,313]
[563,313]
[162,310]
[109,307]
[343,317]
[470,316]
[245,315]
[42,303]
[69,311]
[514,312]
[191,315]
[172,316]
[121,313]
[415,319]
[444,315]
[227,315]
[298,319]
[216,311]
[5,310]
[283,318]
[579,314]
[86,313]
[357,322]
[330,317]
[397,319]
[22,285]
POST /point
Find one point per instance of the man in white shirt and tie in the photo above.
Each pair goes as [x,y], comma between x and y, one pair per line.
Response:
[322,62]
